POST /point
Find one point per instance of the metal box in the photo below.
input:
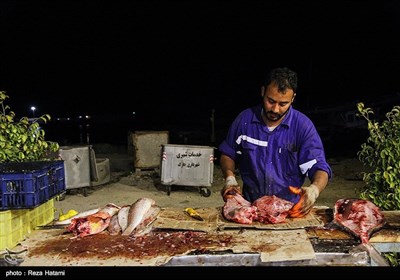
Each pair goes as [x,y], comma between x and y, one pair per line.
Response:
[147,148]
[77,162]
[103,171]
[187,165]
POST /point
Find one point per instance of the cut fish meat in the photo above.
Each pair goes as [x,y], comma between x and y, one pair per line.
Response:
[272,209]
[93,223]
[360,218]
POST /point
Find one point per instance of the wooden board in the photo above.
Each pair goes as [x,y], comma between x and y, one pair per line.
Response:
[391,231]
[276,246]
[386,236]
[176,218]
[392,218]
[328,234]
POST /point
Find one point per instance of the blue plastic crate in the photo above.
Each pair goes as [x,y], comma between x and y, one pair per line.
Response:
[29,184]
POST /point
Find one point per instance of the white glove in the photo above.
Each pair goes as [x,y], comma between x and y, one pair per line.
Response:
[230,181]
[311,193]
[231,187]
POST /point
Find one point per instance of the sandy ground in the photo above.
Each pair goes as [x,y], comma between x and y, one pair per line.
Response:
[126,186]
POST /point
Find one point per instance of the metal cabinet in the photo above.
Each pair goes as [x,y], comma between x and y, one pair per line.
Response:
[187,165]
[147,148]
[82,168]
[77,162]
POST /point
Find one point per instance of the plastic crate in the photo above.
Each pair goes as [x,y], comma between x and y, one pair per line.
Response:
[16,224]
[25,185]
[42,215]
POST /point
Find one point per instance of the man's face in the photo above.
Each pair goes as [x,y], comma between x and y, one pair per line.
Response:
[276,104]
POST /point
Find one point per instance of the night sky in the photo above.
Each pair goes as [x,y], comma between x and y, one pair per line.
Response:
[172,60]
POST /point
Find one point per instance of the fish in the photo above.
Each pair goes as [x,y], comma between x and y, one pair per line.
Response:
[239,210]
[111,209]
[137,213]
[95,223]
[114,227]
[272,209]
[145,225]
[361,218]
[123,216]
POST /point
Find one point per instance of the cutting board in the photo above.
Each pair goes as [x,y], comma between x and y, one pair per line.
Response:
[274,246]
[392,218]
[176,218]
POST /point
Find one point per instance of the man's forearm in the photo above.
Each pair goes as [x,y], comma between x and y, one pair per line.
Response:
[320,180]
[227,166]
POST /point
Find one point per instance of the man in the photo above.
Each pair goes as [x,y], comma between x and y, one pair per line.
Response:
[275,146]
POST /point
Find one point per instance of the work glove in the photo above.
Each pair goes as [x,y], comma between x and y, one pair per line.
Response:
[308,196]
[231,187]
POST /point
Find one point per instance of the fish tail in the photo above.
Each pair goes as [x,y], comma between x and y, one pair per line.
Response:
[375,255]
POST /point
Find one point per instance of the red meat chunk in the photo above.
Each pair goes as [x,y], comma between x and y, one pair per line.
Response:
[272,209]
[359,217]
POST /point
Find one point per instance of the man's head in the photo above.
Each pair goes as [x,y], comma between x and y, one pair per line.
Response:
[278,93]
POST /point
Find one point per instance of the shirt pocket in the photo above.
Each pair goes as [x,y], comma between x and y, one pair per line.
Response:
[289,158]
[248,157]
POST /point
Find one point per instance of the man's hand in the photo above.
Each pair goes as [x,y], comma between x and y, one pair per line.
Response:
[308,196]
[231,187]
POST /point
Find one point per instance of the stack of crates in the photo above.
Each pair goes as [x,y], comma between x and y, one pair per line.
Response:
[27,193]
[16,224]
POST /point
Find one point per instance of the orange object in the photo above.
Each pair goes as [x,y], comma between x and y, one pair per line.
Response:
[295,212]
[295,190]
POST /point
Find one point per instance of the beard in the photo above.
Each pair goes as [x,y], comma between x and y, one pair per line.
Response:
[271,116]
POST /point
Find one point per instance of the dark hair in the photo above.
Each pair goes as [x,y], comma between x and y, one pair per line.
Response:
[283,77]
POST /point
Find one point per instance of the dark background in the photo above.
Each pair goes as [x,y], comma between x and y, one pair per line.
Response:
[173,62]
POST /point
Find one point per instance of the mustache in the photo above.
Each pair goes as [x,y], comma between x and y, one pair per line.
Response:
[275,116]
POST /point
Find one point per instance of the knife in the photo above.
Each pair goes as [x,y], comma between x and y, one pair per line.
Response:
[192,213]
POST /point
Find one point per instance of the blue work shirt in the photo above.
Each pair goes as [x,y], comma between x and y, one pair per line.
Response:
[271,161]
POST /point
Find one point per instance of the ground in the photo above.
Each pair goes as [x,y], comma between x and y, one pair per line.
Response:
[127,185]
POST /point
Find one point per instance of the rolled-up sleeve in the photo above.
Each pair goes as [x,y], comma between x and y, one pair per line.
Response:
[312,155]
